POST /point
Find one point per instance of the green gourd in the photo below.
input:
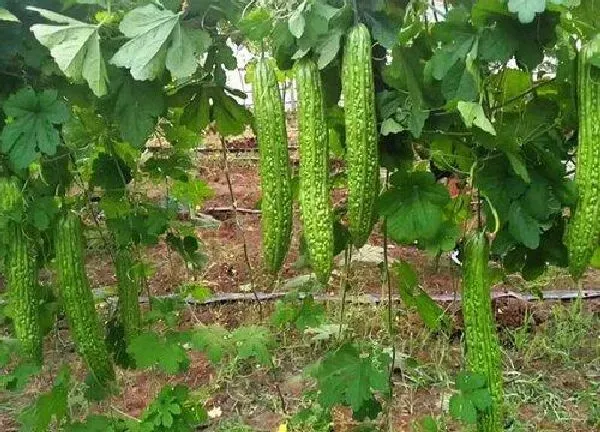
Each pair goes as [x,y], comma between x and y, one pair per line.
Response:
[482,349]
[362,152]
[275,171]
[77,298]
[583,235]
[314,194]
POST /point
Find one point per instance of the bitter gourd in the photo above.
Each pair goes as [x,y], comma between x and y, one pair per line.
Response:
[315,203]
[21,274]
[583,234]
[482,349]
[129,287]
[362,152]
[275,172]
[77,298]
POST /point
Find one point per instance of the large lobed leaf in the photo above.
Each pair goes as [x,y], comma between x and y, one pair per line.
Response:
[157,41]
[31,131]
[75,46]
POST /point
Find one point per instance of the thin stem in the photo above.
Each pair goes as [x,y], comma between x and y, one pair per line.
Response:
[525,93]
[239,225]
[390,312]
[278,388]
[478,210]
[347,264]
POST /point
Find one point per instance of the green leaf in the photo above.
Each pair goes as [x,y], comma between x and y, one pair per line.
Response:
[173,410]
[518,165]
[302,313]
[157,41]
[110,173]
[414,207]
[192,192]
[214,341]
[462,408]
[253,342]
[17,379]
[595,261]
[38,416]
[41,212]
[31,130]
[75,46]
[469,381]
[137,108]
[523,227]
[408,280]
[98,423]
[428,424]
[189,249]
[229,116]
[149,349]
[197,291]
[390,126]
[459,84]
[485,10]
[329,48]
[445,58]
[6,15]
[481,398]
[430,312]
[349,377]
[472,114]
[526,9]
[256,24]
[451,154]
[296,23]
[497,44]
[511,83]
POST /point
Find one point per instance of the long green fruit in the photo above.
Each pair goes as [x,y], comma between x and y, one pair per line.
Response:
[362,152]
[21,275]
[583,235]
[129,287]
[78,300]
[315,202]
[482,349]
[275,172]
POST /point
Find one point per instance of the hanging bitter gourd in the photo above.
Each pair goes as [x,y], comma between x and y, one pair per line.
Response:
[362,151]
[313,142]
[583,235]
[21,273]
[77,298]
[128,278]
[482,349]
[275,172]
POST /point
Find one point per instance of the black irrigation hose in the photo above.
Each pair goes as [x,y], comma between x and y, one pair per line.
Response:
[235,297]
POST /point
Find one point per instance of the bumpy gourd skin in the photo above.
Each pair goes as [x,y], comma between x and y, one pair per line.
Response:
[362,152]
[275,172]
[583,235]
[129,287]
[482,349]
[21,275]
[78,300]
[315,202]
